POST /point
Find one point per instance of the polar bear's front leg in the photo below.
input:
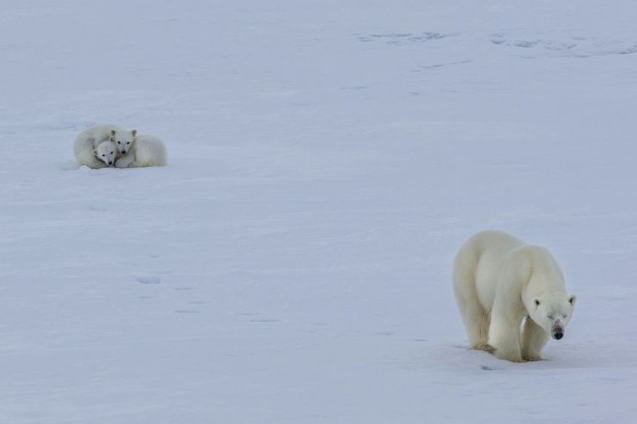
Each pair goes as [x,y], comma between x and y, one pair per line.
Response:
[504,335]
[125,161]
[534,338]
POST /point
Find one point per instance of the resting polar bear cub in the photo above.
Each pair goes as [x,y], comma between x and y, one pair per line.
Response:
[138,150]
[499,281]
[93,148]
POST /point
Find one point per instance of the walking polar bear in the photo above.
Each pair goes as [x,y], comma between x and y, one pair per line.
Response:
[138,150]
[93,147]
[500,283]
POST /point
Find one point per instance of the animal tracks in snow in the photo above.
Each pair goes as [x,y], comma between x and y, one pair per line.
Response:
[527,45]
[489,368]
[500,39]
[401,39]
[148,279]
[573,46]
[440,65]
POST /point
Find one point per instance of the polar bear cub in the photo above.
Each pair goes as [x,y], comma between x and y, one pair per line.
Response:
[106,152]
[123,139]
[138,150]
[92,147]
[511,296]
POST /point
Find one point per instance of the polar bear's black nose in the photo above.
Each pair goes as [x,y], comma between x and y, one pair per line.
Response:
[110,163]
[123,152]
[558,335]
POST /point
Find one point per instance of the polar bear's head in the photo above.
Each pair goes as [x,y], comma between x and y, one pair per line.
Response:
[552,312]
[123,139]
[106,152]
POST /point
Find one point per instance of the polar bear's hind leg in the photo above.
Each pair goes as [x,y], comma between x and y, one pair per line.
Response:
[475,318]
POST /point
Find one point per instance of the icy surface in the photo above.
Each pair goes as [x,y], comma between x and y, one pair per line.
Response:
[327,159]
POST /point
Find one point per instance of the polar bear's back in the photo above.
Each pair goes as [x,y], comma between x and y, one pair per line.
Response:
[87,141]
[492,247]
[82,145]
[478,260]
[487,248]
[149,151]
[94,135]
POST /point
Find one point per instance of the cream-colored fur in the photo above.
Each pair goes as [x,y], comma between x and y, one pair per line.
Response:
[511,296]
[86,145]
[145,150]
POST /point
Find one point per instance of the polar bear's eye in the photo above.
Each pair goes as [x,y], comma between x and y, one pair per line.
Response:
[128,142]
[119,142]
[103,155]
[111,153]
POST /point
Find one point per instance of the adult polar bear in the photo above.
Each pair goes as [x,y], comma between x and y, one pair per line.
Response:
[499,281]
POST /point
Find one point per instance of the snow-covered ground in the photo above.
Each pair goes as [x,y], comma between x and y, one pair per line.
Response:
[327,159]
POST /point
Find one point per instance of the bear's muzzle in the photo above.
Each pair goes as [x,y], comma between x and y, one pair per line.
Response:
[557,330]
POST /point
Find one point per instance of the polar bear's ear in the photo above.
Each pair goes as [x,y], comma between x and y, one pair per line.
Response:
[537,302]
[112,133]
[134,133]
[94,152]
[572,299]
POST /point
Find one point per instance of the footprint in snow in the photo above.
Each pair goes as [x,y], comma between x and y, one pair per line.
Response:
[149,279]
[488,368]
[401,39]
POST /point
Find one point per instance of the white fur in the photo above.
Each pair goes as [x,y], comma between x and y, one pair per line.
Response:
[145,150]
[87,142]
[107,153]
[501,283]
[123,139]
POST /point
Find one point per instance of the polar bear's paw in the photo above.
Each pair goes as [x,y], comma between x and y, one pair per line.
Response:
[510,359]
[532,358]
[507,355]
[485,347]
